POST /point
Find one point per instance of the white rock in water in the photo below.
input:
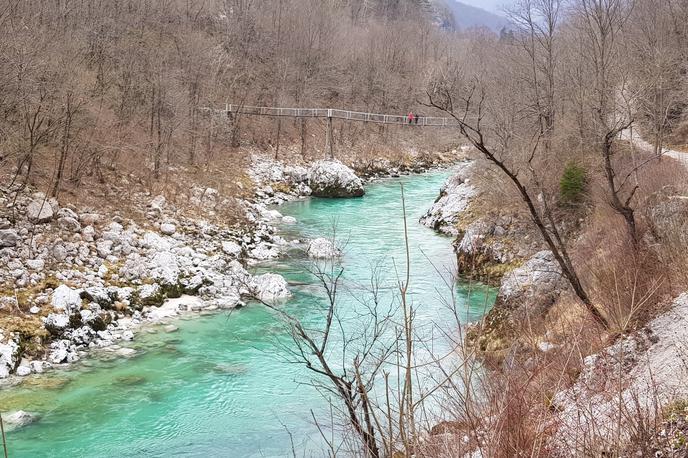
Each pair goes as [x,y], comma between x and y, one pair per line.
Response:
[23,371]
[231,248]
[270,287]
[323,248]
[66,298]
[39,367]
[19,418]
[288,219]
[171,328]
[125,352]
[168,228]
[334,179]
[39,211]
[127,335]
[271,214]
[8,238]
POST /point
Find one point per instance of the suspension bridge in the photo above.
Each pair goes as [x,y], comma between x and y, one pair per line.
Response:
[411,119]
[330,113]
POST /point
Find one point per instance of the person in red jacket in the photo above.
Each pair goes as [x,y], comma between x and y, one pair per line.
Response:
[410,117]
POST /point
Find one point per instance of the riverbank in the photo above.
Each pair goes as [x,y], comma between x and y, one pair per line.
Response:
[562,382]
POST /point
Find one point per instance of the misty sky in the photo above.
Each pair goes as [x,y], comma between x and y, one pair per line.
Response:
[490,5]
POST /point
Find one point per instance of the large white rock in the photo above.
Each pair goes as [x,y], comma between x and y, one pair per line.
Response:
[39,367]
[151,294]
[61,351]
[264,251]
[56,322]
[455,196]
[23,371]
[155,242]
[323,248]
[39,211]
[165,268]
[66,298]
[231,248]
[334,179]
[270,287]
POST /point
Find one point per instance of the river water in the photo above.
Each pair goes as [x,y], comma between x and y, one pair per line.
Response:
[220,386]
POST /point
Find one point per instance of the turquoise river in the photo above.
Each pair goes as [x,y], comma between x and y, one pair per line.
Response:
[220,385]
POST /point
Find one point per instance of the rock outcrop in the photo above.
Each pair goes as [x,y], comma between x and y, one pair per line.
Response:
[334,179]
[534,286]
[528,291]
[635,377]
[454,199]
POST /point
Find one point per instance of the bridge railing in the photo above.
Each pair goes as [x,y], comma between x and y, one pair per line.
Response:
[340,114]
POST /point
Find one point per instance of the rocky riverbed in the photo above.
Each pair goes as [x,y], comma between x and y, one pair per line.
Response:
[75,279]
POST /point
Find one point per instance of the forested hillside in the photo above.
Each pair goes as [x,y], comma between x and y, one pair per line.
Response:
[90,86]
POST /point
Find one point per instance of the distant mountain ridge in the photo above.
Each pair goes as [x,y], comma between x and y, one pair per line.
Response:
[457,15]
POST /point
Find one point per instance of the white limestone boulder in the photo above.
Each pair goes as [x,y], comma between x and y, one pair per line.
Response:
[39,211]
[322,248]
[66,298]
[18,419]
[270,287]
[334,179]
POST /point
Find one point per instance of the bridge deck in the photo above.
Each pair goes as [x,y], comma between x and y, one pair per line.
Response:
[423,121]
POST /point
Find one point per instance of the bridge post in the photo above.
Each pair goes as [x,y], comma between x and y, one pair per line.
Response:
[328,136]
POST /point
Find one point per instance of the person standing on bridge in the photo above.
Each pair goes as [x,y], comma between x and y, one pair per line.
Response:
[410,117]
[416,118]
